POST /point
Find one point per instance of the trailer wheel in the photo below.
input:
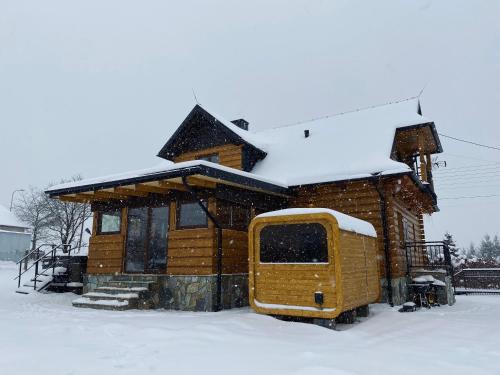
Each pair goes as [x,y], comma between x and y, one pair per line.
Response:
[326,323]
[363,311]
[347,317]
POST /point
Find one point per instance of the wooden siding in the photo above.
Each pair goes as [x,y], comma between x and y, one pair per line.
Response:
[106,251]
[105,254]
[191,252]
[359,271]
[229,155]
[234,251]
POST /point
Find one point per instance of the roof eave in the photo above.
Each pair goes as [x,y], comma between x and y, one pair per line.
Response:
[204,170]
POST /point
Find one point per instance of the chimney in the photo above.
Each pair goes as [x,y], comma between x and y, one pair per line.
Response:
[241,123]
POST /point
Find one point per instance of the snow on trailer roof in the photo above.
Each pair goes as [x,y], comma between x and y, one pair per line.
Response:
[339,147]
[346,222]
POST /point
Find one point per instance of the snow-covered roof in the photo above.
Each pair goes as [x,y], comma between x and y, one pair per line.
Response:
[254,138]
[344,221]
[346,146]
[8,219]
[340,147]
[164,167]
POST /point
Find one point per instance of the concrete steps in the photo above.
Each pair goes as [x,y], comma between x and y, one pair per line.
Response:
[120,294]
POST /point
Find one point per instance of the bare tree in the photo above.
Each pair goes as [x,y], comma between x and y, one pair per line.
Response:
[32,208]
[67,219]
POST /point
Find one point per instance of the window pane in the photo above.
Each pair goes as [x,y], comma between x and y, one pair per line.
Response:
[110,222]
[294,243]
[137,227]
[232,215]
[157,253]
[214,158]
[192,215]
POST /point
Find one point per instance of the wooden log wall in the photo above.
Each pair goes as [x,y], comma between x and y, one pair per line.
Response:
[229,155]
[234,251]
[191,251]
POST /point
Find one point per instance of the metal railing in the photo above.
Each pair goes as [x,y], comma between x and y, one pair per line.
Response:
[41,256]
[477,281]
[432,255]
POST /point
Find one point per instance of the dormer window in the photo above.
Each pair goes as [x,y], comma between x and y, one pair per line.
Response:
[213,158]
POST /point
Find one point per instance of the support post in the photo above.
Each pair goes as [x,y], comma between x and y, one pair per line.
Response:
[383,214]
[219,242]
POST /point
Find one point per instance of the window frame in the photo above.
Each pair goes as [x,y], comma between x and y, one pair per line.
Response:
[100,214]
[178,205]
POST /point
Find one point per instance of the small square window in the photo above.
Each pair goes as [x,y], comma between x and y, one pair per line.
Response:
[213,158]
[191,215]
[109,222]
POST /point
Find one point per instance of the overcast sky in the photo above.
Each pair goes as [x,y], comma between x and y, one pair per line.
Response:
[96,87]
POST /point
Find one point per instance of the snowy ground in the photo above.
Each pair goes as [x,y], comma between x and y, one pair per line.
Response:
[45,334]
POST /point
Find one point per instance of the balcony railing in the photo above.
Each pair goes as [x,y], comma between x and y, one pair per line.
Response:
[428,255]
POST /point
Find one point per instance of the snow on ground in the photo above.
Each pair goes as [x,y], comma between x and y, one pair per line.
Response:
[43,333]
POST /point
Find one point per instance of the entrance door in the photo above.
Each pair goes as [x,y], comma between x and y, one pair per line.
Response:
[137,230]
[146,245]
[156,260]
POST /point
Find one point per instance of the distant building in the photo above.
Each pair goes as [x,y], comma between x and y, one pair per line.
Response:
[15,237]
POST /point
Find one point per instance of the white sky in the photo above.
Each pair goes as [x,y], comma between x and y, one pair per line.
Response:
[96,87]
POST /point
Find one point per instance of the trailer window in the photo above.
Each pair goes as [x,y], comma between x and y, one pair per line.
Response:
[294,243]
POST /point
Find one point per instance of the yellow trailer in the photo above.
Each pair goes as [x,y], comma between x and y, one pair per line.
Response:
[311,263]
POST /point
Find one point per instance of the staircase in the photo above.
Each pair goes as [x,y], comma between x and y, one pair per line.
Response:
[43,269]
[43,280]
[121,293]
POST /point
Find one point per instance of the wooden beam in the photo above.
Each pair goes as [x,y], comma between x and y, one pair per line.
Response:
[103,195]
[172,185]
[130,192]
[151,189]
[73,198]
[196,181]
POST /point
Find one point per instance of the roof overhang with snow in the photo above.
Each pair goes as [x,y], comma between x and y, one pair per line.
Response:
[161,180]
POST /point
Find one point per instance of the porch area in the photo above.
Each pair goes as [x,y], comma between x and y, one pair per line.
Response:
[174,239]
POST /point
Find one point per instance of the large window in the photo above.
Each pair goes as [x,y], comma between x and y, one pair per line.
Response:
[191,215]
[232,215]
[109,222]
[294,243]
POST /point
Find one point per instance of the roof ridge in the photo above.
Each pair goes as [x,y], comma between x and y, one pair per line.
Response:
[342,113]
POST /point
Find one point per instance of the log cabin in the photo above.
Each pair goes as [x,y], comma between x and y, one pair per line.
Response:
[176,235]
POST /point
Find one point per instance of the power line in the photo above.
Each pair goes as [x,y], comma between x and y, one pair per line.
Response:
[350,111]
[472,158]
[477,167]
[471,197]
[470,142]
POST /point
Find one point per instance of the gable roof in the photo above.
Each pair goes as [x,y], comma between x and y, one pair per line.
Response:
[340,147]
[216,123]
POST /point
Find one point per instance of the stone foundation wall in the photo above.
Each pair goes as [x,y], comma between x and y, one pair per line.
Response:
[399,290]
[186,293]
